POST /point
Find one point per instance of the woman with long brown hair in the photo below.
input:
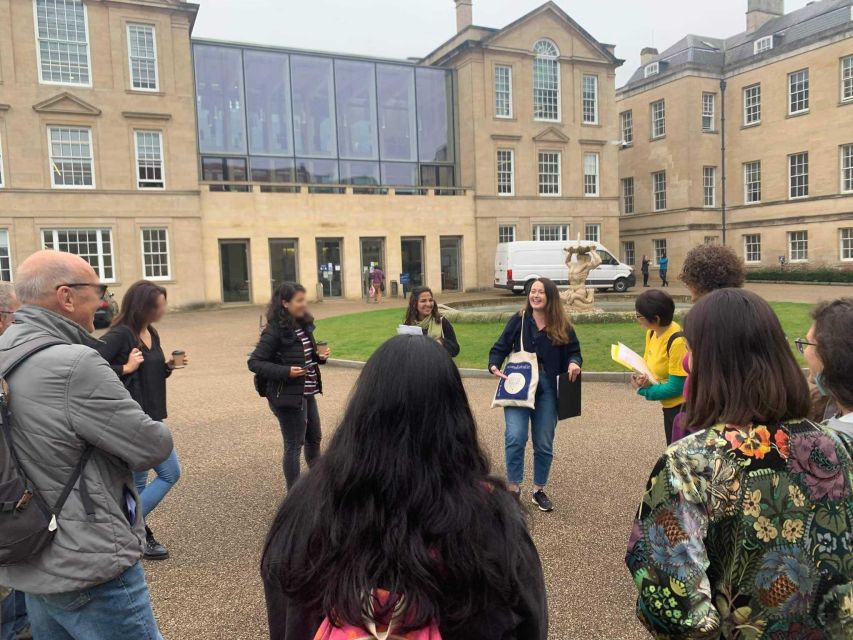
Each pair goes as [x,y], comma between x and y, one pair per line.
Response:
[132,348]
[549,334]
[423,312]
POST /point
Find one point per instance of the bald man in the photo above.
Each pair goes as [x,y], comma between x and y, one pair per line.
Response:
[88,583]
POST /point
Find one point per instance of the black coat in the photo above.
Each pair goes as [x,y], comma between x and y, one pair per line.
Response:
[553,358]
[277,351]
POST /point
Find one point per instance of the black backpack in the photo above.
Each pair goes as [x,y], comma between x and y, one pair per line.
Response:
[675,336]
[27,523]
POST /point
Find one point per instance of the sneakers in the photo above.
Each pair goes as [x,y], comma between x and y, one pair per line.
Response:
[153,549]
[542,501]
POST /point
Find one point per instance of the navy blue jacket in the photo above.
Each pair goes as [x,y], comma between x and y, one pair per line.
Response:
[554,359]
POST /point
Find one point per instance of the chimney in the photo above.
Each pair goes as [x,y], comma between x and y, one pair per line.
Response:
[464,14]
[759,12]
[647,55]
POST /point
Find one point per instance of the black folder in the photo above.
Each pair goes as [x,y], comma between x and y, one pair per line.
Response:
[568,397]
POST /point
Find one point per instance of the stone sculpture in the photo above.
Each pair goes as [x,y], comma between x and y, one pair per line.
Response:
[579,297]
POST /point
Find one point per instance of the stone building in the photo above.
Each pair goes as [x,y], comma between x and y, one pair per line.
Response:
[221,169]
[779,98]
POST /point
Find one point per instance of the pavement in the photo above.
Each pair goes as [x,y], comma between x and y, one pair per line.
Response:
[215,520]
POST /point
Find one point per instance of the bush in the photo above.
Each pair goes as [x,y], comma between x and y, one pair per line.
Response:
[796,274]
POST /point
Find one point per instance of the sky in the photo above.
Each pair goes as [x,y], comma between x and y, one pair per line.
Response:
[405,28]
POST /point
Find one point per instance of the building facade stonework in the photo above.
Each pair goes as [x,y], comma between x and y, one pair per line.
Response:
[788,160]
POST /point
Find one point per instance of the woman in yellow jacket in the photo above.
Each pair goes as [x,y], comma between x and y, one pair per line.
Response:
[664,354]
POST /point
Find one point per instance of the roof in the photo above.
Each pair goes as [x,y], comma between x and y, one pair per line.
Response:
[718,56]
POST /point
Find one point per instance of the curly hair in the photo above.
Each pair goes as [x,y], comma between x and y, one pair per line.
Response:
[709,267]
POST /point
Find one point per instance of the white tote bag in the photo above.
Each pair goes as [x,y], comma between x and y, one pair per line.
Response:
[522,379]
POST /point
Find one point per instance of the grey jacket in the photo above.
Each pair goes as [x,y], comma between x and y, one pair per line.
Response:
[62,398]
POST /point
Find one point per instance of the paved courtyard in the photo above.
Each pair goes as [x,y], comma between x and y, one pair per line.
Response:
[215,520]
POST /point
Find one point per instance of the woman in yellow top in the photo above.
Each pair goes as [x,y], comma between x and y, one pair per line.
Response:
[666,348]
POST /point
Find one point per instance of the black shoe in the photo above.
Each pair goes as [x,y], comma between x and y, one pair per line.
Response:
[153,549]
[542,501]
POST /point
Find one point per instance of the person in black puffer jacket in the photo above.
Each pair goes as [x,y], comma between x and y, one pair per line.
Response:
[286,361]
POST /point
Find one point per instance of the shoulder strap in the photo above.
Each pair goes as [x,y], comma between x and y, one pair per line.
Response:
[11,358]
[521,334]
[675,336]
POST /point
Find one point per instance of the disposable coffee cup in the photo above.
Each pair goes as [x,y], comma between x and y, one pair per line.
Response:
[178,357]
[322,347]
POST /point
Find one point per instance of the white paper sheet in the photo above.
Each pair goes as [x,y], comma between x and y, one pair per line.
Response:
[631,360]
[408,330]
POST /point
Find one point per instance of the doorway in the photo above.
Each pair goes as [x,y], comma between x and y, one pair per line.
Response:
[372,255]
[412,253]
[283,260]
[329,266]
[234,266]
[451,258]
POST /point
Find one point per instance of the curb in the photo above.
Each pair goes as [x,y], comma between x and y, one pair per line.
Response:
[588,376]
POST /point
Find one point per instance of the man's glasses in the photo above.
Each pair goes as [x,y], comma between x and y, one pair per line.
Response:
[802,343]
[100,288]
[6,312]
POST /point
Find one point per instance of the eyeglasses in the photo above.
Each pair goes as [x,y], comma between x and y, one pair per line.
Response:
[100,288]
[639,316]
[802,343]
[6,312]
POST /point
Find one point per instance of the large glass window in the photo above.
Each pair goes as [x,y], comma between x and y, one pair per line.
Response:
[546,81]
[798,246]
[268,103]
[399,174]
[627,195]
[273,170]
[317,171]
[590,99]
[544,232]
[355,88]
[155,254]
[63,44]
[709,186]
[659,190]
[435,140]
[847,168]
[149,160]
[225,170]
[798,92]
[142,54]
[313,106]
[71,163]
[628,252]
[752,247]
[709,101]
[752,182]
[397,133]
[359,173]
[798,166]
[549,173]
[590,174]
[219,97]
[752,105]
[592,232]
[95,246]
[503,91]
[627,120]
[660,249]
[658,119]
[506,233]
[506,172]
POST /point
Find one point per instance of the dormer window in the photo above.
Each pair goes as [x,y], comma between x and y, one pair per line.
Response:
[763,44]
[652,69]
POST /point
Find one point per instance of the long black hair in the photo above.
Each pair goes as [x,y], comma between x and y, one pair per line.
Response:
[402,500]
[278,316]
[138,306]
[412,310]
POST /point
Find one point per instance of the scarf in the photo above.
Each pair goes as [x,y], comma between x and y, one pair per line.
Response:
[433,329]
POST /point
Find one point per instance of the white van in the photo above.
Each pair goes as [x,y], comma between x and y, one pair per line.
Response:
[518,264]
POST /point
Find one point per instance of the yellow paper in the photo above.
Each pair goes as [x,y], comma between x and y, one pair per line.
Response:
[631,360]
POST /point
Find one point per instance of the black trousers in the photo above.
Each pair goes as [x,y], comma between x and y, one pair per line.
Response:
[645,278]
[668,420]
[300,429]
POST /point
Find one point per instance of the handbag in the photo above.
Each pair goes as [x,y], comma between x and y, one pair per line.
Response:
[522,371]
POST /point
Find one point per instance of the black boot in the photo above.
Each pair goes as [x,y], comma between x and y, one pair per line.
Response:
[153,549]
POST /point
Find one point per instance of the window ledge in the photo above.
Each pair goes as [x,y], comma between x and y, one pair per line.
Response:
[591,124]
[505,118]
[845,103]
[663,137]
[751,125]
[144,92]
[798,114]
[627,145]
[712,132]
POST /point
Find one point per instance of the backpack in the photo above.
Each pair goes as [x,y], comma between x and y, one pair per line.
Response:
[675,336]
[27,523]
[372,631]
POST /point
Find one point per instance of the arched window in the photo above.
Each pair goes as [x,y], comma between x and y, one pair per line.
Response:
[546,81]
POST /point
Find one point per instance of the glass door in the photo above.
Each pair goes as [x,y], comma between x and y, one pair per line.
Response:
[329,266]
[372,255]
[283,260]
[412,253]
[234,266]
[451,258]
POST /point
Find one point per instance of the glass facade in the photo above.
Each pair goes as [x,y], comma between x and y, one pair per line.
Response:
[276,116]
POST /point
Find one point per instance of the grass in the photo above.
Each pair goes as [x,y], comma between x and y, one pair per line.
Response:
[355,336]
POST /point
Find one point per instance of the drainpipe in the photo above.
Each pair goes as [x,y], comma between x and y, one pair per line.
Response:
[723,153]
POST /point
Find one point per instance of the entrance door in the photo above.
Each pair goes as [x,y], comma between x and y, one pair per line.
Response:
[451,258]
[329,266]
[372,254]
[412,253]
[283,258]
[234,265]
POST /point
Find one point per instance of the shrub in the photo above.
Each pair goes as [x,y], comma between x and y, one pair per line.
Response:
[797,274]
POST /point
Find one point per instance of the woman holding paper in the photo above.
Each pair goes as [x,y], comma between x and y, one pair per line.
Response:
[423,313]
[549,334]
[663,355]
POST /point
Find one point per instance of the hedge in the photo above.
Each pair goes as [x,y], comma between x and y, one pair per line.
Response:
[794,274]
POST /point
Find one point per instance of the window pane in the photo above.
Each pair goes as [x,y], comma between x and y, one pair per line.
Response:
[549,173]
[658,119]
[62,41]
[752,181]
[752,104]
[143,57]
[219,87]
[798,91]
[313,106]
[592,233]
[397,136]
[503,91]
[506,233]
[505,171]
[71,157]
[399,174]
[590,99]
[317,171]
[847,78]
[659,190]
[268,103]
[752,247]
[355,85]
[149,160]
[799,175]
[709,186]
[546,82]
[155,253]
[846,244]
[435,113]
[272,170]
[627,127]
[628,195]
[93,245]
[361,173]
[543,232]
[847,167]
[590,174]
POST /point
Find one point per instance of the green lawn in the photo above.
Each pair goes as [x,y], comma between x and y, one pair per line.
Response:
[355,336]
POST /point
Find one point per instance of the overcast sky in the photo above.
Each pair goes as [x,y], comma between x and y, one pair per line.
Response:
[404,28]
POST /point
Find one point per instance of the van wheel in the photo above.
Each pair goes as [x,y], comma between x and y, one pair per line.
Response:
[620,286]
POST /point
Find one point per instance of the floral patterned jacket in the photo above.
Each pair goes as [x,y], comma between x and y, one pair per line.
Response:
[747,533]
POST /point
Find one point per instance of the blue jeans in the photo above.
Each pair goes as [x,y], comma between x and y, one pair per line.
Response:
[167,473]
[120,608]
[13,615]
[544,423]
